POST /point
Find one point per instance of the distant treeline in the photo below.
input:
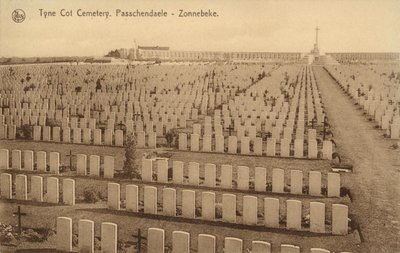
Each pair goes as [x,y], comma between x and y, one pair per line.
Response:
[113,53]
[36,60]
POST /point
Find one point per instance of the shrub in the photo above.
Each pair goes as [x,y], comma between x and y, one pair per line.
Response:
[52,122]
[91,195]
[170,136]
[25,132]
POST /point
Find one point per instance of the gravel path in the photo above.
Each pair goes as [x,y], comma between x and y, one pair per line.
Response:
[375,181]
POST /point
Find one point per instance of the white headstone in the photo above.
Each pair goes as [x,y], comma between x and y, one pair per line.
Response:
[52,190]
[16,159]
[208,205]
[210,174]
[69,191]
[271,212]
[232,144]
[314,183]
[229,207]
[206,243]
[188,204]
[333,184]
[109,237]
[162,170]
[298,148]
[260,247]
[271,144]
[114,196]
[226,176]
[155,240]
[81,164]
[243,177]
[177,172]
[150,199]
[37,188]
[41,162]
[86,236]
[327,150]
[147,170]
[180,242]
[194,142]
[194,176]
[293,214]
[287,248]
[296,181]
[182,141]
[28,160]
[21,191]
[94,165]
[169,201]
[55,162]
[6,185]
[260,179]
[317,217]
[64,234]
[132,198]
[278,180]
[233,245]
[250,208]
[339,219]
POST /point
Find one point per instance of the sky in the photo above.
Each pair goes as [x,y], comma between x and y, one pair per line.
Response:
[241,25]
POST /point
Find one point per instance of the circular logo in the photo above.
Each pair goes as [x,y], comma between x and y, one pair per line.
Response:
[18,15]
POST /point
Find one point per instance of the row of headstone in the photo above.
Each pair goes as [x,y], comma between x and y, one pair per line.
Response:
[243,180]
[36,191]
[278,131]
[263,115]
[128,112]
[156,240]
[77,97]
[230,145]
[85,236]
[94,137]
[387,119]
[208,208]
[78,136]
[376,99]
[8,132]
[26,160]
[107,108]
[23,116]
[92,166]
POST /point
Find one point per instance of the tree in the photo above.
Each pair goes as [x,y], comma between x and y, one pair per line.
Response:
[131,167]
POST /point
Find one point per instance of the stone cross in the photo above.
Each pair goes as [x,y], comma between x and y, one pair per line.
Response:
[139,241]
[121,126]
[313,122]
[136,115]
[230,128]
[267,135]
[19,218]
[273,101]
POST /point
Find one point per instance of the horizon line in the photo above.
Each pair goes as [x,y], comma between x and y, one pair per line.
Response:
[212,51]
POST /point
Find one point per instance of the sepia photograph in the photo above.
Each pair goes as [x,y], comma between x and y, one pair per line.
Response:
[230,126]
